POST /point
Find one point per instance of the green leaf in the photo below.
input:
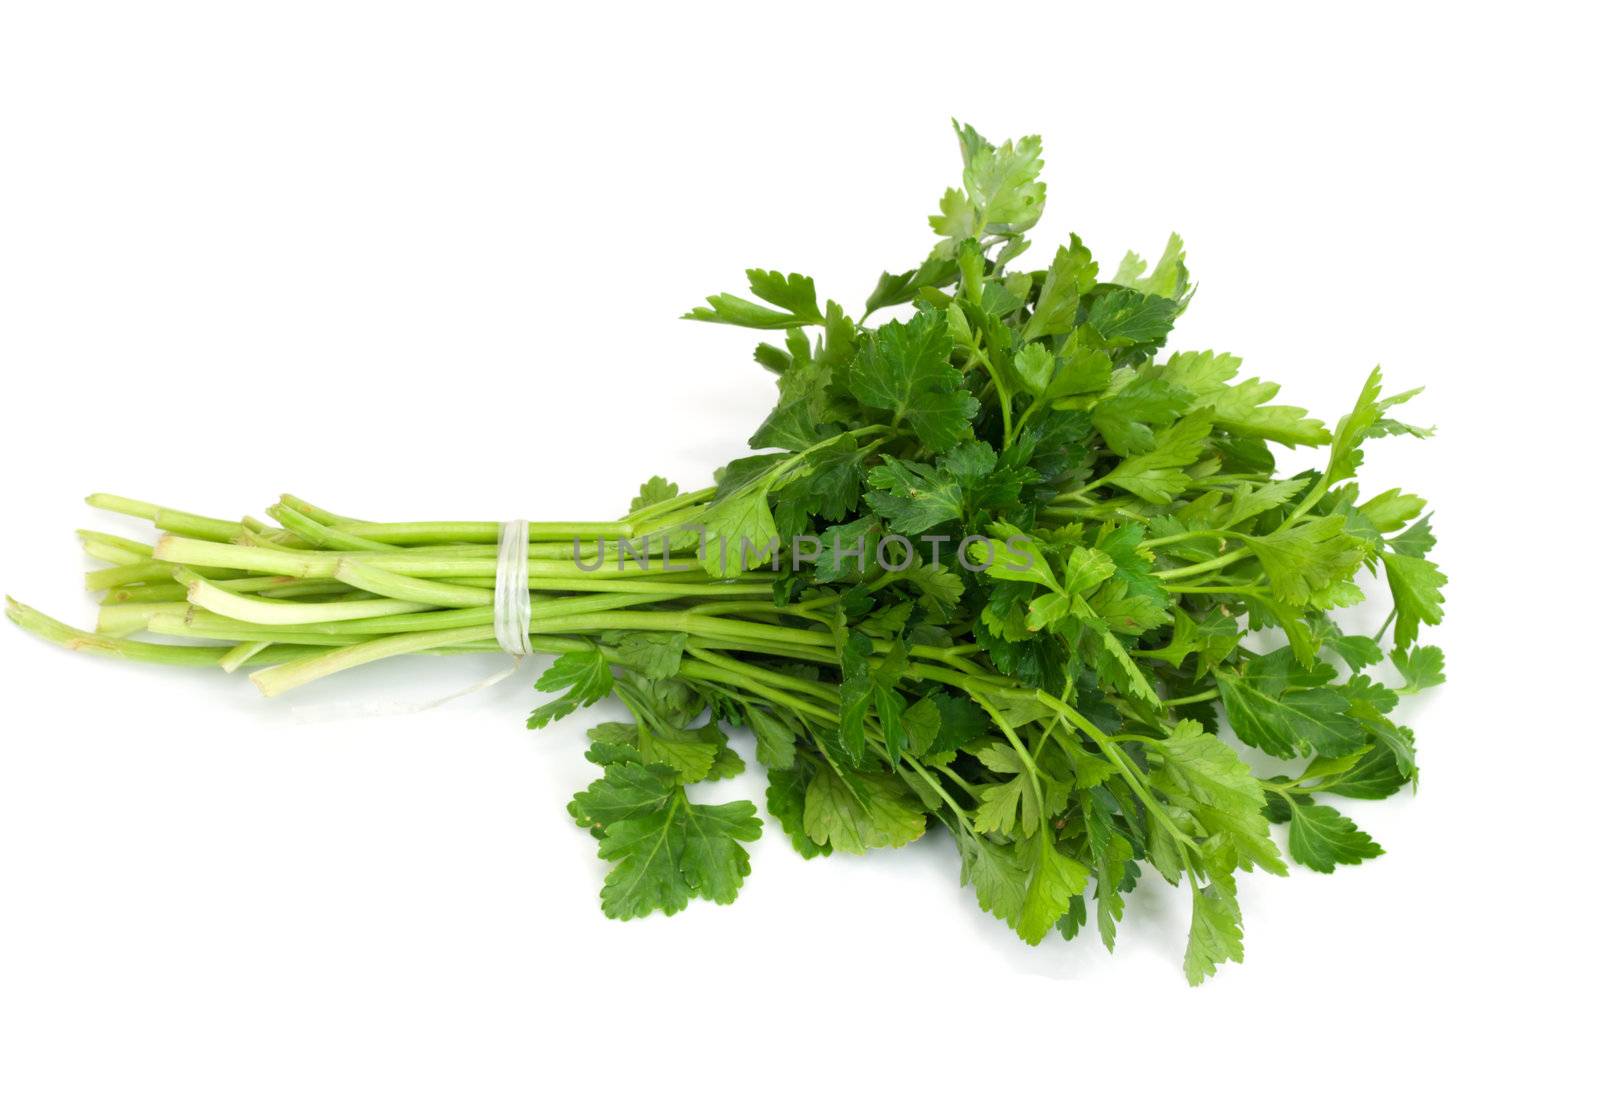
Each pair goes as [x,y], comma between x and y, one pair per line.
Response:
[1156,476]
[586,677]
[667,850]
[656,655]
[884,816]
[1417,541]
[912,497]
[994,871]
[689,753]
[828,481]
[775,737]
[1250,500]
[794,294]
[855,696]
[1199,768]
[1072,273]
[739,533]
[1049,610]
[1321,838]
[1376,774]
[1085,367]
[1355,651]
[1286,710]
[714,863]
[1391,510]
[904,369]
[1126,420]
[1115,664]
[1054,879]
[791,426]
[1170,278]
[1241,409]
[1400,744]
[1422,667]
[999,805]
[629,789]
[1304,559]
[893,289]
[786,801]
[1010,555]
[655,489]
[1128,318]
[847,551]
[1216,931]
[960,721]
[939,590]
[1034,365]
[921,722]
[1366,420]
[1415,584]
[1086,569]
[1008,805]
[1001,192]
[728,309]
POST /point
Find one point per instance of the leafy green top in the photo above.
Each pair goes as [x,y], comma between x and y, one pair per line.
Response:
[1134,571]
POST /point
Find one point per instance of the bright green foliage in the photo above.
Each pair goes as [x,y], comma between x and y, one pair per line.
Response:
[586,677]
[1278,706]
[1422,667]
[861,812]
[904,369]
[1320,837]
[667,850]
[1004,565]
[1216,931]
[1137,534]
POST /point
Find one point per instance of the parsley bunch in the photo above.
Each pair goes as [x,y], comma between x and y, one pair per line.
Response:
[1000,566]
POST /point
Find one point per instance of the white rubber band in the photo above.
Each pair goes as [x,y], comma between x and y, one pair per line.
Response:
[513,608]
[513,613]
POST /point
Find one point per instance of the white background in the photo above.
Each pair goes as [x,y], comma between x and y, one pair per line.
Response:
[425,261]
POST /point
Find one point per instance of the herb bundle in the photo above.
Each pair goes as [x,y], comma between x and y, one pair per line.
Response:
[998,566]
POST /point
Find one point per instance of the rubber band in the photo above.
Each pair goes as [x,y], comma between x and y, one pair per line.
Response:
[513,608]
[513,614]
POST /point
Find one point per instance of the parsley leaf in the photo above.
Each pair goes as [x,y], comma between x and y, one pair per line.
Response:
[586,677]
[1321,838]
[667,849]
[904,369]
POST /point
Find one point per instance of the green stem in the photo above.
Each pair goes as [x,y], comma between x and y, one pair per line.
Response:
[704,671]
[1209,534]
[53,631]
[1115,754]
[1202,568]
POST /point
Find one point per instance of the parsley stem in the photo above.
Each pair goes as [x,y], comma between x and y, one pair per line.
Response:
[1118,757]
[827,693]
[1002,396]
[939,790]
[1212,590]
[1214,534]
[1201,568]
[704,671]
[1024,755]
[957,779]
